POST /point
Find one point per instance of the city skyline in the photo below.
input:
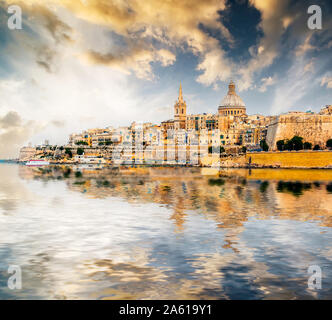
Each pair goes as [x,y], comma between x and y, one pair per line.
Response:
[75,66]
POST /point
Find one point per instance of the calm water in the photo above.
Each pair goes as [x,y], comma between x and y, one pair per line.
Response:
[165,233]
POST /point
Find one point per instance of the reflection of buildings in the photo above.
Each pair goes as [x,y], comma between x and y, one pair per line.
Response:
[229,200]
[222,242]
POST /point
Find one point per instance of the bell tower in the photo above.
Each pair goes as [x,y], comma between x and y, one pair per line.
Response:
[180,111]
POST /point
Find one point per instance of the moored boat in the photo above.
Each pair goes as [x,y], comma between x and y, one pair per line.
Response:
[37,163]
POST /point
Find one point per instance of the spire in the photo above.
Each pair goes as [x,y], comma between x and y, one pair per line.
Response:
[180,93]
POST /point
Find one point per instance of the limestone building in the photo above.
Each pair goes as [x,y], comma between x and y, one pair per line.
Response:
[314,128]
[27,153]
[231,109]
[232,104]
[180,111]
[231,120]
[327,110]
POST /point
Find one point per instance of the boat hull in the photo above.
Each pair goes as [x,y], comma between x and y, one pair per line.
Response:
[37,163]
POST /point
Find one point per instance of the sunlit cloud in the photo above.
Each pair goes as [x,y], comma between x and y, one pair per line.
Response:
[326,81]
[266,82]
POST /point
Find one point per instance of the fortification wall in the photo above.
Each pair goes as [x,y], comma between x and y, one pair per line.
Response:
[314,128]
[292,159]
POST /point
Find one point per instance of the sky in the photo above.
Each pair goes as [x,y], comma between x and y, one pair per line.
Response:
[79,64]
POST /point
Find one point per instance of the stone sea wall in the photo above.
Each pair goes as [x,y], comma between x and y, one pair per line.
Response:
[285,159]
[314,128]
[292,159]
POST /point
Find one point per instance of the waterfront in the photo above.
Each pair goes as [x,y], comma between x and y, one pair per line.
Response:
[165,233]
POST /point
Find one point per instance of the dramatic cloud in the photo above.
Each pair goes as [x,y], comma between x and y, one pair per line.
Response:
[215,67]
[139,24]
[274,15]
[150,31]
[138,60]
[276,18]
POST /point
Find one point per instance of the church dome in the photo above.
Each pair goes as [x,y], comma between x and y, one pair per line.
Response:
[232,100]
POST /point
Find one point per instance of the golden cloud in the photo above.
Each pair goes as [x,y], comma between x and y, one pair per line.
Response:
[151,30]
[174,24]
[138,59]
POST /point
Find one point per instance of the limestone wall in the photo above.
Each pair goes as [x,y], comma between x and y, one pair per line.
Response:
[314,128]
[292,159]
[227,162]
[27,153]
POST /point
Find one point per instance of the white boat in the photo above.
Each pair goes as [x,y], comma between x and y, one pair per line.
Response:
[37,163]
[89,159]
[92,166]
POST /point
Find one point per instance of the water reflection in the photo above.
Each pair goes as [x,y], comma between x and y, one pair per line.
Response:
[329,188]
[184,233]
[296,188]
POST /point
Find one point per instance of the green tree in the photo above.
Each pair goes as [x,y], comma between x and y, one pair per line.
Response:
[297,143]
[281,145]
[288,145]
[307,146]
[81,143]
[69,153]
[264,145]
[316,147]
[329,144]
[67,173]
[80,151]
[78,174]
